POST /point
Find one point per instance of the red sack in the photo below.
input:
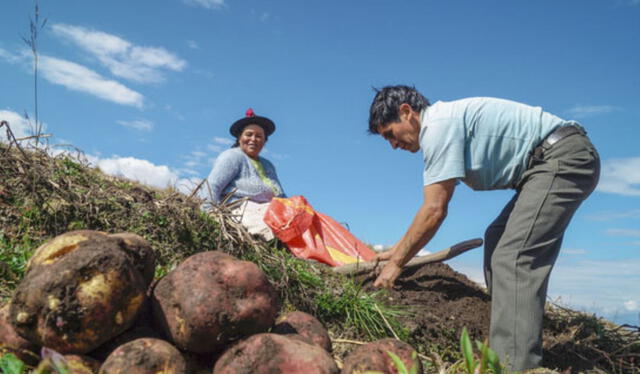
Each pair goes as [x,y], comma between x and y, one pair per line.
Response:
[313,235]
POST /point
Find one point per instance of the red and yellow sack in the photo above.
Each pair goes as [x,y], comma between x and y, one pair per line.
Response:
[312,235]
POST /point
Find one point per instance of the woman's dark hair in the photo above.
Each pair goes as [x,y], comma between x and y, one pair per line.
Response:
[384,108]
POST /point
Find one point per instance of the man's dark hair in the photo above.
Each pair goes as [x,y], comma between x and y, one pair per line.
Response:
[384,108]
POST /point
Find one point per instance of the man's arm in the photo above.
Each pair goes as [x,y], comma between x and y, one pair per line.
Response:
[424,226]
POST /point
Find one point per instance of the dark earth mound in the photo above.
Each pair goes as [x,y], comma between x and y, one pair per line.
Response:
[442,301]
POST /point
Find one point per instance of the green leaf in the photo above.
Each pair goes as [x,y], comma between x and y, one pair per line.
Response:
[397,362]
[483,356]
[494,361]
[10,364]
[467,351]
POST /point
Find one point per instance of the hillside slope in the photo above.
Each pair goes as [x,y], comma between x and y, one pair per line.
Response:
[43,196]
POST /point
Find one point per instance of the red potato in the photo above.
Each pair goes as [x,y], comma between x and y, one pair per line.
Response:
[212,299]
[81,289]
[306,325]
[375,357]
[11,342]
[274,354]
[142,328]
[144,356]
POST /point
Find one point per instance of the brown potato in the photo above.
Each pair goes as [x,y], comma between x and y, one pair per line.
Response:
[81,289]
[273,354]
[212,299]
[143,356]
[306,325]
[375,357]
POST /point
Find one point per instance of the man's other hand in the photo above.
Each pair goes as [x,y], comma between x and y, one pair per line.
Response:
[390,272]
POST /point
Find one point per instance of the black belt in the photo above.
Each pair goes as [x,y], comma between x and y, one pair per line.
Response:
[561,133]
[555,136]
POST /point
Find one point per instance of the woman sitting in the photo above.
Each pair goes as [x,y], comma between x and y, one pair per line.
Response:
[242,172]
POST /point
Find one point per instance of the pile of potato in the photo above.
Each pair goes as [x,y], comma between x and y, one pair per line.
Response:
[90,296]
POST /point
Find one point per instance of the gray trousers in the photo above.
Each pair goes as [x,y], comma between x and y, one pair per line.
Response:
[522,244]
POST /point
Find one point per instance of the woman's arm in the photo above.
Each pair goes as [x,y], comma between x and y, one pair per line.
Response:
[225,170]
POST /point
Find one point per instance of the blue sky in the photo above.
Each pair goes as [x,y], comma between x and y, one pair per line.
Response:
[148,89]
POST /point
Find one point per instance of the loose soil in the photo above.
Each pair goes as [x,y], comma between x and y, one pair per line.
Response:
[442,301]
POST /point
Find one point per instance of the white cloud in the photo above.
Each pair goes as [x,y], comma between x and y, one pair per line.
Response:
[572,251]
[621,176]
[603,285]
[143,171]
[141,124]
[121,57]
[208,4]
[584,111]
[223,141]
[632,305]
[193,44]
[610,215]
[215,148]
[20,127]
[205,73]
[220,144]
[79,78]
[10,57]
[624,232]
[198,154]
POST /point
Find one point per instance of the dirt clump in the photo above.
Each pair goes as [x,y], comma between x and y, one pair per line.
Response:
[439,303]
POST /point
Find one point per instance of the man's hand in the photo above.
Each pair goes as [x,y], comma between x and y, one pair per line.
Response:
[390,272]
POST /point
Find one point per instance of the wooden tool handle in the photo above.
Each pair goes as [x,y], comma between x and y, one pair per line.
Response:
[443,255]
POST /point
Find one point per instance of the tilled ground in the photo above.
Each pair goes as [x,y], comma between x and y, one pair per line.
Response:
[442,301]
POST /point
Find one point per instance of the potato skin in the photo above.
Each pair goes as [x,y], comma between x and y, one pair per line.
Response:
[212,299]
[306,325]
[271,354]
[80,290]
[143,256]
[374,357]
[11,342]
[143,356]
